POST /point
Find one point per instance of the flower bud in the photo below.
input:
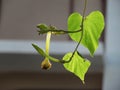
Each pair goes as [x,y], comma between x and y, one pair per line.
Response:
[42,27]
[46,64]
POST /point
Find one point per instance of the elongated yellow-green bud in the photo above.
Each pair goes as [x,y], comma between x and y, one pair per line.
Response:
[46,63]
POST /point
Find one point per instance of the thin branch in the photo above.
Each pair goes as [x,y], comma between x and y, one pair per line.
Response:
[57,31]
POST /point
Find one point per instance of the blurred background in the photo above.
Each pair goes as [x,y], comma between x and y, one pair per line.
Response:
[20,63]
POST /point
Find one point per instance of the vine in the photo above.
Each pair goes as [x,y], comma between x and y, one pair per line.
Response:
[83,30]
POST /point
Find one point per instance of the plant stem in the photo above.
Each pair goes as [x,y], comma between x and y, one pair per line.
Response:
[84,9]
[82,28]
[57,31]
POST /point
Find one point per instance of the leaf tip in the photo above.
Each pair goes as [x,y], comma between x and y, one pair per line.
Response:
[33,44]
[83,81]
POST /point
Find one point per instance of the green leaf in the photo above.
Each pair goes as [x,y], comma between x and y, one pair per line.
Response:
[78,65]
[41,52]
[74,22]
[92,29]
[42,27]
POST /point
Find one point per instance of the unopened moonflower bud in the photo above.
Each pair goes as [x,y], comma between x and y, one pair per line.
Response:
[46,64]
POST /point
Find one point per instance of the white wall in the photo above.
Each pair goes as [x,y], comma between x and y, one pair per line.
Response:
[112,54]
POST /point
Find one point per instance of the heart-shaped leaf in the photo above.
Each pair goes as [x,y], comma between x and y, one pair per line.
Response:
[78,65]
[92,29]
